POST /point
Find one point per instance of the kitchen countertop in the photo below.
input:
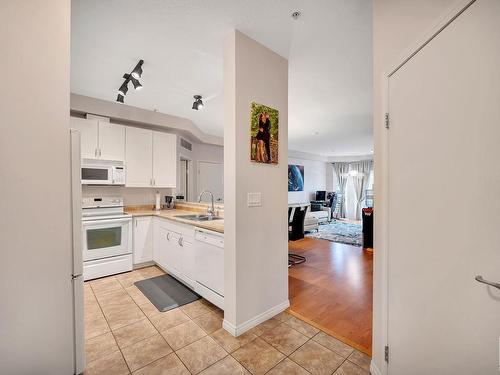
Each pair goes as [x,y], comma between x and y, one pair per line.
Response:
[214,225]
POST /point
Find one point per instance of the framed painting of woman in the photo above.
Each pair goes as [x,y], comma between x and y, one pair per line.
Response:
[264,125]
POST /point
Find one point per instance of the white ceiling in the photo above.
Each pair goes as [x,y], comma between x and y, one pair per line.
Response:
[181,41]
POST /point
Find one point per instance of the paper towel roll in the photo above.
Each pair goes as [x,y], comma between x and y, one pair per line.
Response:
[157,206]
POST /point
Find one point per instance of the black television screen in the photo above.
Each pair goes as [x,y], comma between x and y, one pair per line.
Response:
[321,195]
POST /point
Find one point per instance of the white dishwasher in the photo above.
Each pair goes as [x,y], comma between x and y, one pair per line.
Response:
[210,261]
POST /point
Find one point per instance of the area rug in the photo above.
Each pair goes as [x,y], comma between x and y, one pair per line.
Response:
[339,231]
[166,293]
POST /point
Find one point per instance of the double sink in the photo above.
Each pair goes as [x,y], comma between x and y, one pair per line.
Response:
[199,217]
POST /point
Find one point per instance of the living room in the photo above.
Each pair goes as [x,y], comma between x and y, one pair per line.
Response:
[331,261]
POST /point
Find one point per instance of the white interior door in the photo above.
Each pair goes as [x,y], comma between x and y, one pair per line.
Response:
[444,201]
[183,180]
[211,177]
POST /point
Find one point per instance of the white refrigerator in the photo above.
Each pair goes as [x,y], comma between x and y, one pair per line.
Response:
[76,276]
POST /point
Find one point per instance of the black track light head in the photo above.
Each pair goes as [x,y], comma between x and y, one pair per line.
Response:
[120,98]
[137,72]
[123,88]
[136,83]
[198,103]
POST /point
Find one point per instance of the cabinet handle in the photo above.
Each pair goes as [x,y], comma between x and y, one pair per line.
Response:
[95,152]
[180,241]
[154,182]
[100,153]
[168,236]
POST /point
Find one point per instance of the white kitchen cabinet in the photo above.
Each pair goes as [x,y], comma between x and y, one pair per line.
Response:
[164,160]
[173,252]
[89,134]
[151,158]
[173,249]
[100,139]
[111,141]
[159,243]
[138,157]
[143,239]
[194,256]
[166,249]
[188,266]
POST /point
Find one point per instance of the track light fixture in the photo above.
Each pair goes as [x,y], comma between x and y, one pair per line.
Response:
[198,103]
[132,77]
[136,83]
[137,72]
[123,88]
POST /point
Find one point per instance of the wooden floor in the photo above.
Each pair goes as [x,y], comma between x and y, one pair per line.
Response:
[333,290]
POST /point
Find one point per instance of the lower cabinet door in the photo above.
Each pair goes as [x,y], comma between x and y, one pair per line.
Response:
[187,254]
[173,252]
[143,239]
[160,245]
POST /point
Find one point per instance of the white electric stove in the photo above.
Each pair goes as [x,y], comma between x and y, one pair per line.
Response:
[107,237]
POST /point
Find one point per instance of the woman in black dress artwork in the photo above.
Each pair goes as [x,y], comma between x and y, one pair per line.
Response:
[264,135]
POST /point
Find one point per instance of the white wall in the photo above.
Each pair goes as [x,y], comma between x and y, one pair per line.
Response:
[256,240]
[132,196]
[200,152]
[397,25]
[120,113]
[314,179]
[35,225]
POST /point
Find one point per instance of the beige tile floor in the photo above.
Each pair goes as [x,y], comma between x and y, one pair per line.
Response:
[126,334]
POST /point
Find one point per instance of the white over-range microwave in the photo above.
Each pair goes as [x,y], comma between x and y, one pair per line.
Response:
[102,172]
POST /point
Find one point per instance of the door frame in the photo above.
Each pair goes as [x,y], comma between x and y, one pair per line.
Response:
[190,193]
[198,173]
[382,221]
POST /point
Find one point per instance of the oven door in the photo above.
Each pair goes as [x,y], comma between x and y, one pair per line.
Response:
[106,238]
[97,175]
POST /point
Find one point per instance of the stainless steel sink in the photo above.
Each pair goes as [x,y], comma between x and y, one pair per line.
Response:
[199,217]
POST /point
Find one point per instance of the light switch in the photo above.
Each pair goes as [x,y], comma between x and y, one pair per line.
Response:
[254,199]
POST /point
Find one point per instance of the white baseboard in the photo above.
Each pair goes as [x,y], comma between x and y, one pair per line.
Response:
[255,321]
[144,264]
[374,369]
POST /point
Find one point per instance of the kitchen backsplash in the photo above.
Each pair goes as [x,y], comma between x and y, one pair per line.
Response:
[131,195]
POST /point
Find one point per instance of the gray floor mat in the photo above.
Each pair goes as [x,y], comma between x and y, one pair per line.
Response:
[166,293]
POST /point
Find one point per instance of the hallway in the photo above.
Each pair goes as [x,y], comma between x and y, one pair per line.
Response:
[333,290]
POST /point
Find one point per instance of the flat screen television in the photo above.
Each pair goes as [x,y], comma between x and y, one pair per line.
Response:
[321,195]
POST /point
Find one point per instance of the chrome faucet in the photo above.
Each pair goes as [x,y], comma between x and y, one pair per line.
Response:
[210,210]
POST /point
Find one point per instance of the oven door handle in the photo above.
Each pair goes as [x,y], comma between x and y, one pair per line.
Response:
[106,221]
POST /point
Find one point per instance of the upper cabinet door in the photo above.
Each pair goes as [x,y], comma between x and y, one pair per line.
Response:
[164,160]
[111,141]
[138,156]
[89,135]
